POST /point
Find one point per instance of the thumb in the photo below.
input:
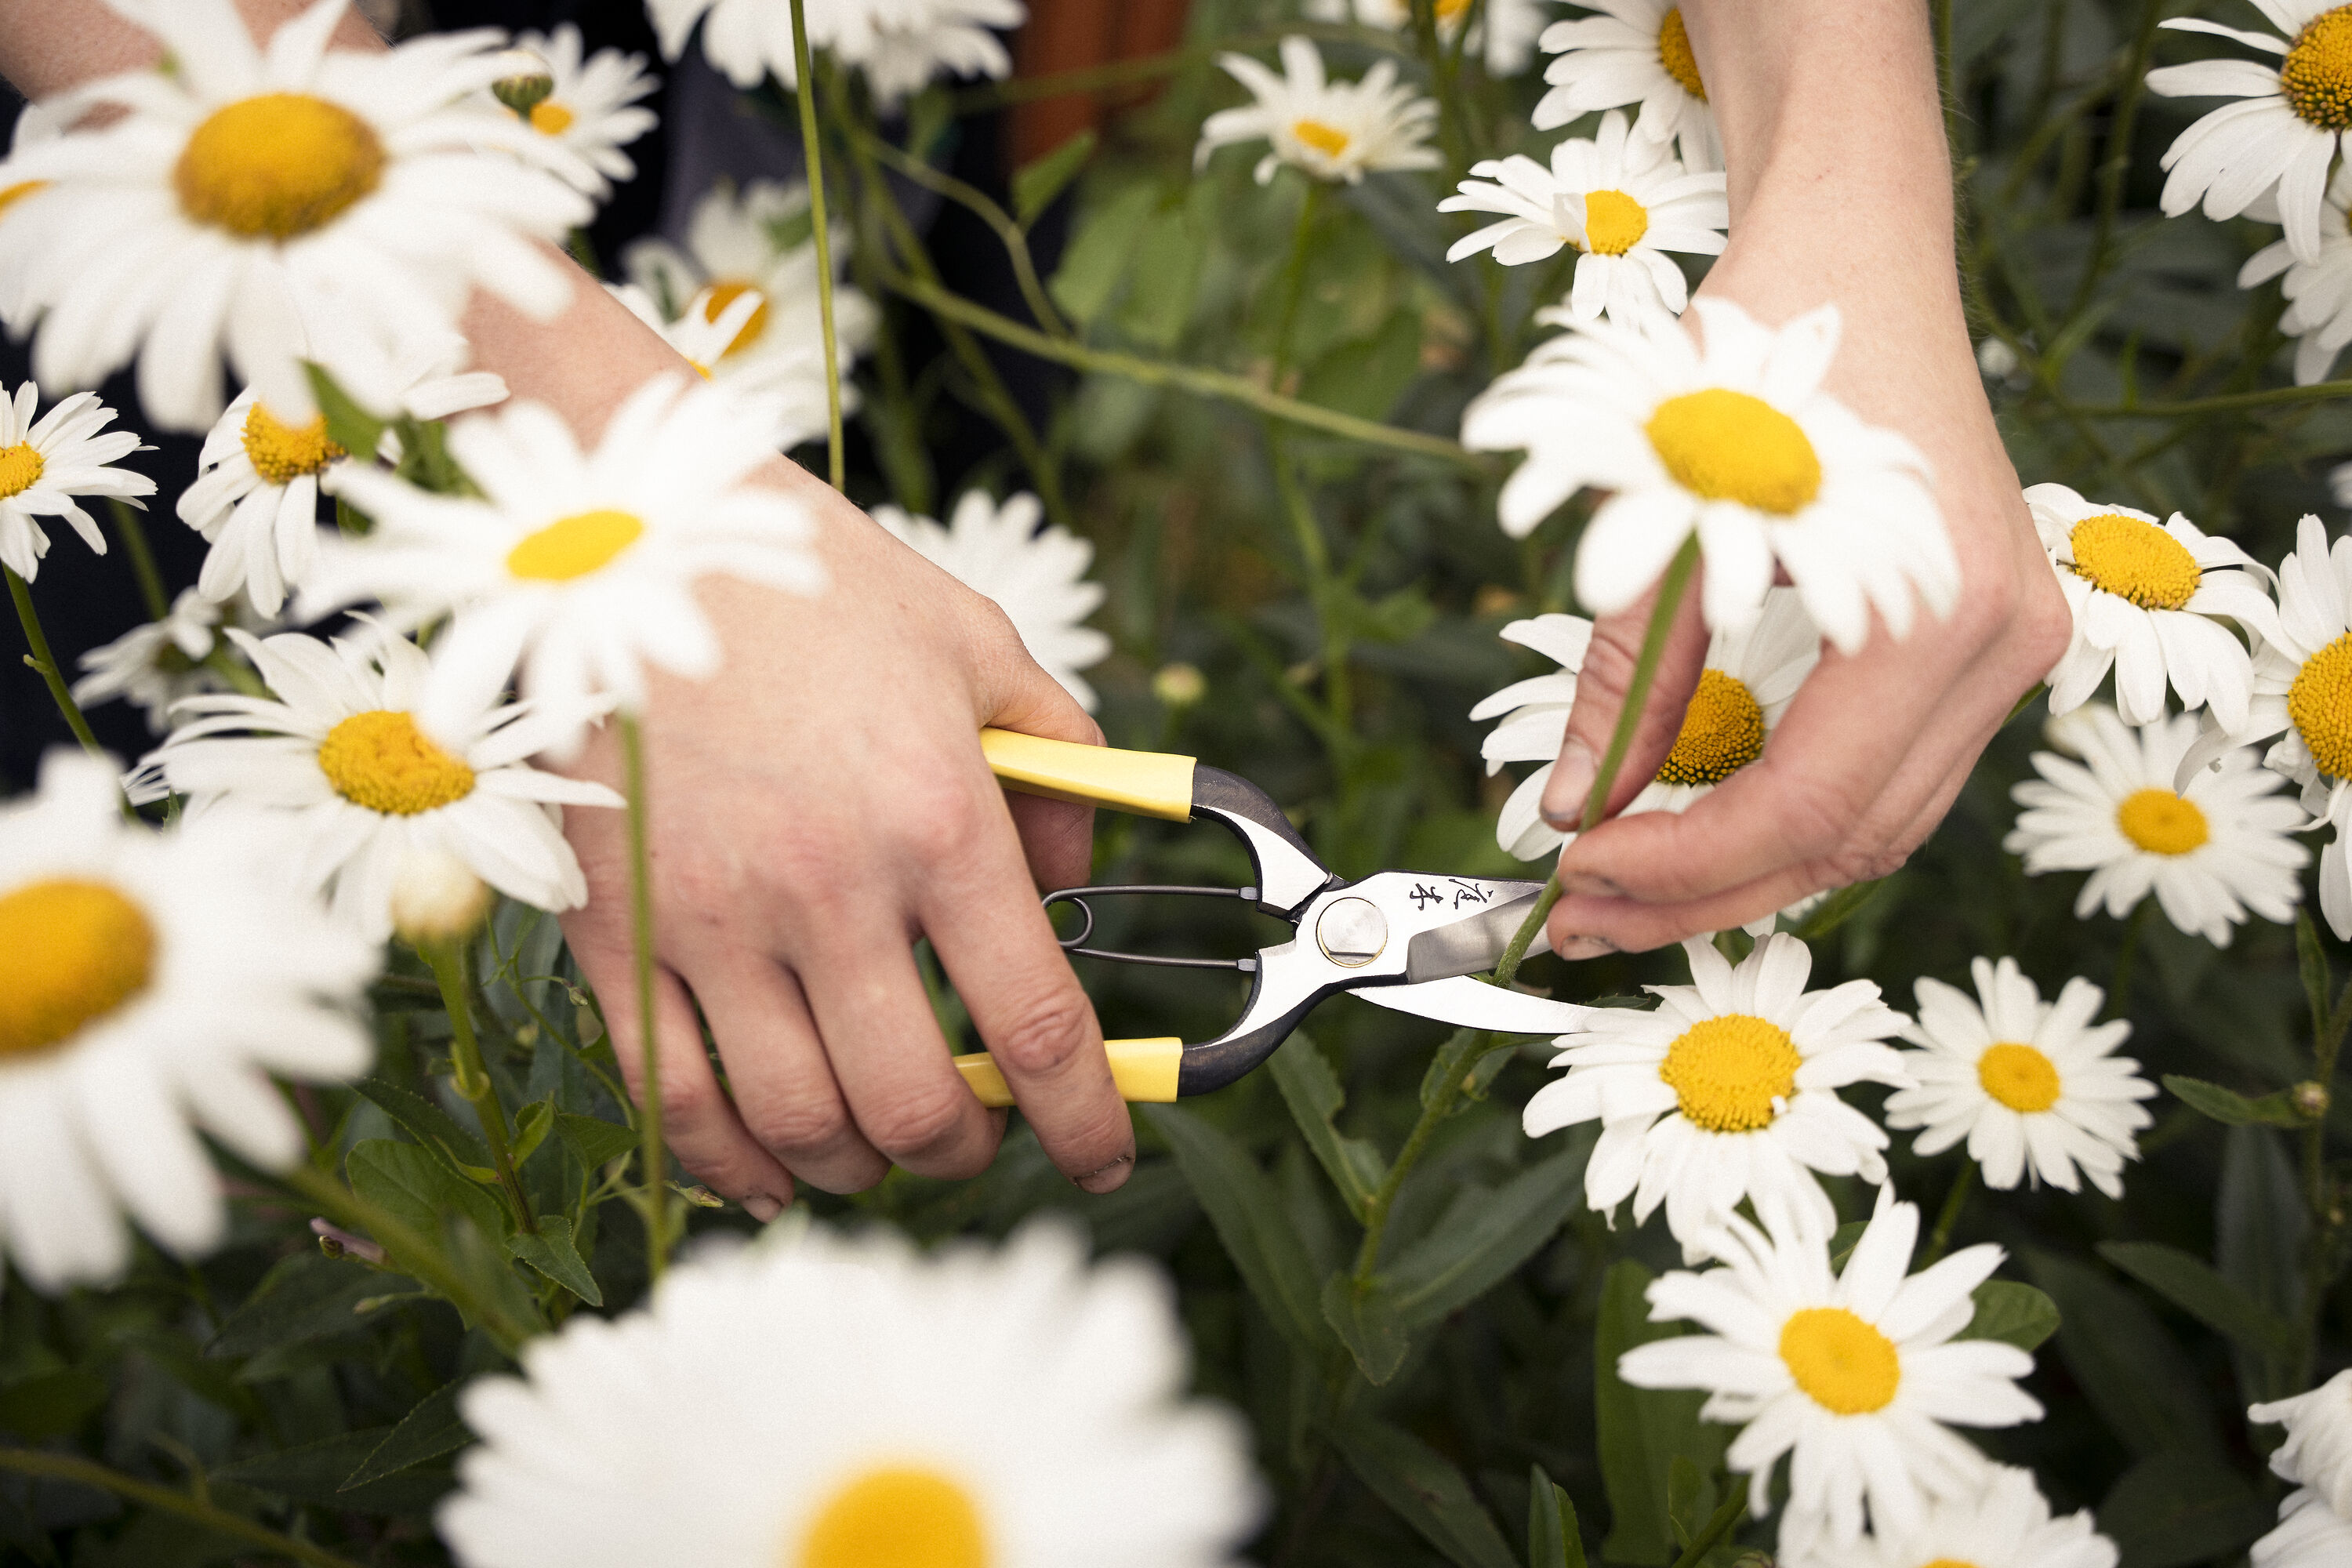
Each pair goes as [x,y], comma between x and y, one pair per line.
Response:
[1600,690]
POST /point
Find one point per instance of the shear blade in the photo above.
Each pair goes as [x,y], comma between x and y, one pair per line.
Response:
[1474,1005]
[1470,946]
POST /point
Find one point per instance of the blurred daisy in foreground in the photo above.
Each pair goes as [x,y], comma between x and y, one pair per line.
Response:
[1621,200]
[2309,1535]
[154,979]
[1725,1091]
[1037,577]
[2212,848]
[2314,1523]
[1856,1375]
[1503,38]
[1328,130]
[347,782]
[900,44]
[1630,51]
[1737,443]
[2033,1086]
[155,665]
[591,110]
[2280,139]
[2005,1525]
[245,193]
[819,1402]
[579,566]
[46,463]
[2149,600]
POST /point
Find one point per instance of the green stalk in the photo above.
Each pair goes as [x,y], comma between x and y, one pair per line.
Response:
[410,1251]
[1955,1201]
[142,559]
[447,960]
[835,458]
[1726,1516]
[1470,1049]
[187,1505]
[45,663]
[640,930]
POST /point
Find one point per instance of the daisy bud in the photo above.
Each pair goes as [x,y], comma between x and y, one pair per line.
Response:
[336,1242]
[1179,685]
[2311,1100]
[523,81]
[435,897]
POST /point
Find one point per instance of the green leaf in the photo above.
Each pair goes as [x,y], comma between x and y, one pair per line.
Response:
[1426,1490]
[2259,1229]
[1365,1317]
[1245,1206]
[2176,1507]
[1098,253]
[1554,1538]
[316,1473]
[1367,376]
[2231,1109]
[2130,1369]
[1641,1430]
[551,1252]
[1312,1092]
[533,1124]
[1036,183]
[2191,1283]
[51,1403]
[417,1188]
[1689,1499]
[1837,907]
[1168,255]
[2014,1313]
[428,1431]
[303,1298]
[433,1127]
[1459,1262]
[595,1140]
[348,426]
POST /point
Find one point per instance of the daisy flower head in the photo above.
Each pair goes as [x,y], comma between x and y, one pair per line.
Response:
[591,110]
[788,379]
[2033,1086]
[1736,442]
[1751,676]
[351,782]
[154,665]
[154,979]
[1036,576]
[1630,51]
[901,45]
[2211,843]
[2006,1524]
[2317,1452]
[1327,130]
[1856,1375]
[2318,290]
[251,195]
[578,566]
[47,463]
[2278,140]
[1502,39]
[2149,600]
[1728,1090]
[1621,200]
[2309,1535]
[826,1403]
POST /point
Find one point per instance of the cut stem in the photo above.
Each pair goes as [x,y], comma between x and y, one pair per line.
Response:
[641,932]
[805,91]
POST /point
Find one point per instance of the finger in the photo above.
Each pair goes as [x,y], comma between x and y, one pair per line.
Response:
[783,1087]
[1014,693]
[1601,688]
[698,1121]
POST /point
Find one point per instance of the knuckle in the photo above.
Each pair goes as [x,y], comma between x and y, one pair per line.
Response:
[690,1100]
[799,1123]
[917,1119]
[1817,817]
[1044,1034]
[942,820]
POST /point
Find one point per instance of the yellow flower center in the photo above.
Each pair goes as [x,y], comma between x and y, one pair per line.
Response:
[2134,559]
[1674,53]
[1614,222]
[2320,703]
[21,468]
[1729,445]
[2316,75]
[2161,822]
[1723,732]
[574,546]
[279,166]
[1728,1073]
[281,453]
[380,759]
[2019,1077]
[19,191]
[1843,1364]
[1948,1562]
[716,300]
[550,118]
[1328,140]
[77,951]
[1452,10]
[896,1517]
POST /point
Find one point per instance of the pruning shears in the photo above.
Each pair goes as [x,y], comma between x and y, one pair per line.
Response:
[1401,939]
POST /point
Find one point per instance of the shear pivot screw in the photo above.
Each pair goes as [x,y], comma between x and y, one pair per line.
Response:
[1352,932]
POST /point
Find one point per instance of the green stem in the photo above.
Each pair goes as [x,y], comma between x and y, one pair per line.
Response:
[1955,1201]
[447,960]
[1469,1050]
[1293,278]
[187,1505]
[2188,408]
[836,457]
[641,931]
[45,663]
[978,203]
[2117,162]
[409,1252]
[2119,993]
[142,559]
[1726,1516]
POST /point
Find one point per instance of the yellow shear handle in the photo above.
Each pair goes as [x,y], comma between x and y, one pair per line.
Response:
[1148,783]
[1143,1070]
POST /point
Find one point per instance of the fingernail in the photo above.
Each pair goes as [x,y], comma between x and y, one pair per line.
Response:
[761,1207]
[1589,885]
[1110,1177]
[1583,947]
[1571,781]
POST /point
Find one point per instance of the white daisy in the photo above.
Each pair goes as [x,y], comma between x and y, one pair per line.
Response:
[1751,676]
[152,980]
[829,1403]
[1036,576]
[1621,200]
[1855,1374]
[900,44]
[248,194]
[155,665]
[1630,51]
[1328,130]
[255,495]
[2279,139]
[591,110]
[1728,1090]
[579,565]
[2318,292]
[2317,1452]
[788,380]
[1503,39]
[1737,442]
[2211,846]
[349,781]
[2031,1085]
[46,463]
[2309,1535]
[2005,1525]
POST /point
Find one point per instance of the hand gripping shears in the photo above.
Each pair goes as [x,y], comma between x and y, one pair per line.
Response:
[1400,939]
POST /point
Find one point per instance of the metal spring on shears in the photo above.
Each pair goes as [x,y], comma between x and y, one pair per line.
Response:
[1075,944]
